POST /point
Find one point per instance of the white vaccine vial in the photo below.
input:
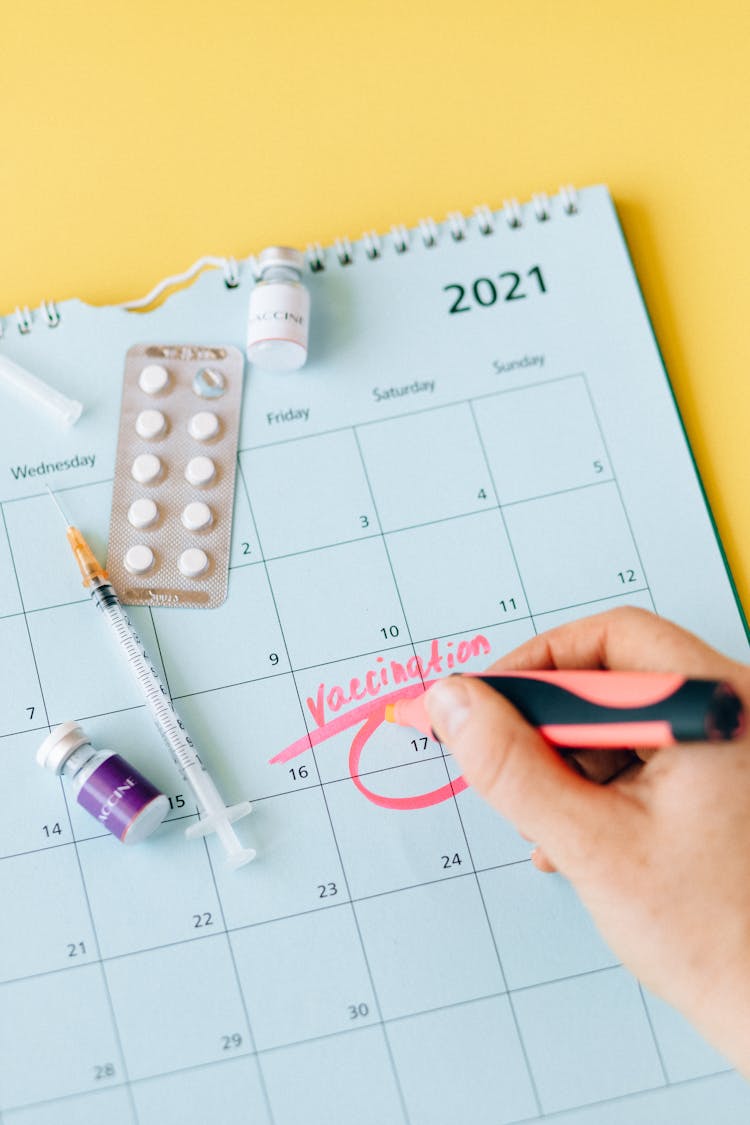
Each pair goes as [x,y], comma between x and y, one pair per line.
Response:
[279,314]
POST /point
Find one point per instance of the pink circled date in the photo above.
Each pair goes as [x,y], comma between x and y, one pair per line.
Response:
[372,715]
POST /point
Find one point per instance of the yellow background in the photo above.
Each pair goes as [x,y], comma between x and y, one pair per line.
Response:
[138,136]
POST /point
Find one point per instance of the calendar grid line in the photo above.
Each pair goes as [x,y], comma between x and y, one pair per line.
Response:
[491,475]
[240,989]
[527,1061]
[394,1069]
[625,511]
[84,887]
[654,1036]
[224,932]
[652,1029]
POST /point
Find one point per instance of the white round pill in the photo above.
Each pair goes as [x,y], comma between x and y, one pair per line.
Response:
[197,516]
[203,426]
[200,471]
[150,424]
[193,562]
[139,558]
[153,379]
[146,468]
[143,513]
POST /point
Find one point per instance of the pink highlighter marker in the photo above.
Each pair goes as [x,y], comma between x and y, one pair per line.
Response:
[607,710]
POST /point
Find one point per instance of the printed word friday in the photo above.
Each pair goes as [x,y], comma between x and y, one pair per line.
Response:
[392,672]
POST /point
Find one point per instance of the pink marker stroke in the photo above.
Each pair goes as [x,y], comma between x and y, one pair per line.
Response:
[371,715]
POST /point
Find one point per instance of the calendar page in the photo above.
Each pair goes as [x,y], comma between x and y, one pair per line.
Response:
[483,445]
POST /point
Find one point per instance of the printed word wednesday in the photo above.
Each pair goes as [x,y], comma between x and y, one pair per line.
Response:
[444,656]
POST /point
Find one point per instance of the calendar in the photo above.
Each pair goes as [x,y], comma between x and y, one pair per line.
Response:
[483,445]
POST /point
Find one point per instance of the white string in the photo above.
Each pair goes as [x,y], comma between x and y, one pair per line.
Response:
[225,264]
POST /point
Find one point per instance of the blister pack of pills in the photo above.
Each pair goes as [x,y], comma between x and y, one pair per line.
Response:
[172,503]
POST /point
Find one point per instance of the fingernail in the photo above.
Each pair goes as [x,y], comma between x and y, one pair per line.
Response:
[447,704]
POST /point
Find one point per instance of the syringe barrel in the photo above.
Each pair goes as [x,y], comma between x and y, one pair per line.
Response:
[66,410]
[155,694]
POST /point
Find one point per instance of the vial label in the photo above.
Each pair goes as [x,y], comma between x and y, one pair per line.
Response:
[116,794]
[277,325]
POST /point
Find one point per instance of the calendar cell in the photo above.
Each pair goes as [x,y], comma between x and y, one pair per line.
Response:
[403,847]
[46,569]
[21,702]
[27,823]
[541,439]
[542,930]
[420,956]
[641,598]
[293,1077]
[587,1039]
[297,868]
[97,680]
[574,548]
[684,1052]
[472,554]
[309,493]
[691,1104]
[64,1020]
[304,977]
[120,881]
[411,464]
[237,731]
[492,839]
[188,999]
[204,1096]
[469,1054]
[337,602]
[112,1106]
[47,924]
[239,640]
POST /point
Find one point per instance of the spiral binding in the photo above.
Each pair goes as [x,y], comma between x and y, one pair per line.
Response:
[400,238]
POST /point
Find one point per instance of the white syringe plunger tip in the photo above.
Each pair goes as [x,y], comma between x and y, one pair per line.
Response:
[220,820]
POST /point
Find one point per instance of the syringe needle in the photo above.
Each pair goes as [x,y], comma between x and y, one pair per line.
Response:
[58,505]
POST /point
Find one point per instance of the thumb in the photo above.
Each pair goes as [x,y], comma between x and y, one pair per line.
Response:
[509,764]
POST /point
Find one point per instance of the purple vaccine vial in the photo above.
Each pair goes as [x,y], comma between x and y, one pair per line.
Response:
[119,798]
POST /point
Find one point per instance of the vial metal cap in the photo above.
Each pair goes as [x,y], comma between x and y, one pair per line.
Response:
[59,745]
[285,256]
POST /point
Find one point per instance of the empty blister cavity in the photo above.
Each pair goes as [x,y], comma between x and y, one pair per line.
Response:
[172,505]
[209,383]
[197,516]
[150,424]
[200,471]
[203,426]
[143,513]
[146,468]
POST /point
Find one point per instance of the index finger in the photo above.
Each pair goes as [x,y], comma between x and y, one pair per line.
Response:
[626,639]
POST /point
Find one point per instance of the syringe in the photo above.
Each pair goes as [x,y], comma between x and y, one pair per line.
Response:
[215,816]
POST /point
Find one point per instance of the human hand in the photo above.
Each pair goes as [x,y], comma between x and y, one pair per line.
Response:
[660,854]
